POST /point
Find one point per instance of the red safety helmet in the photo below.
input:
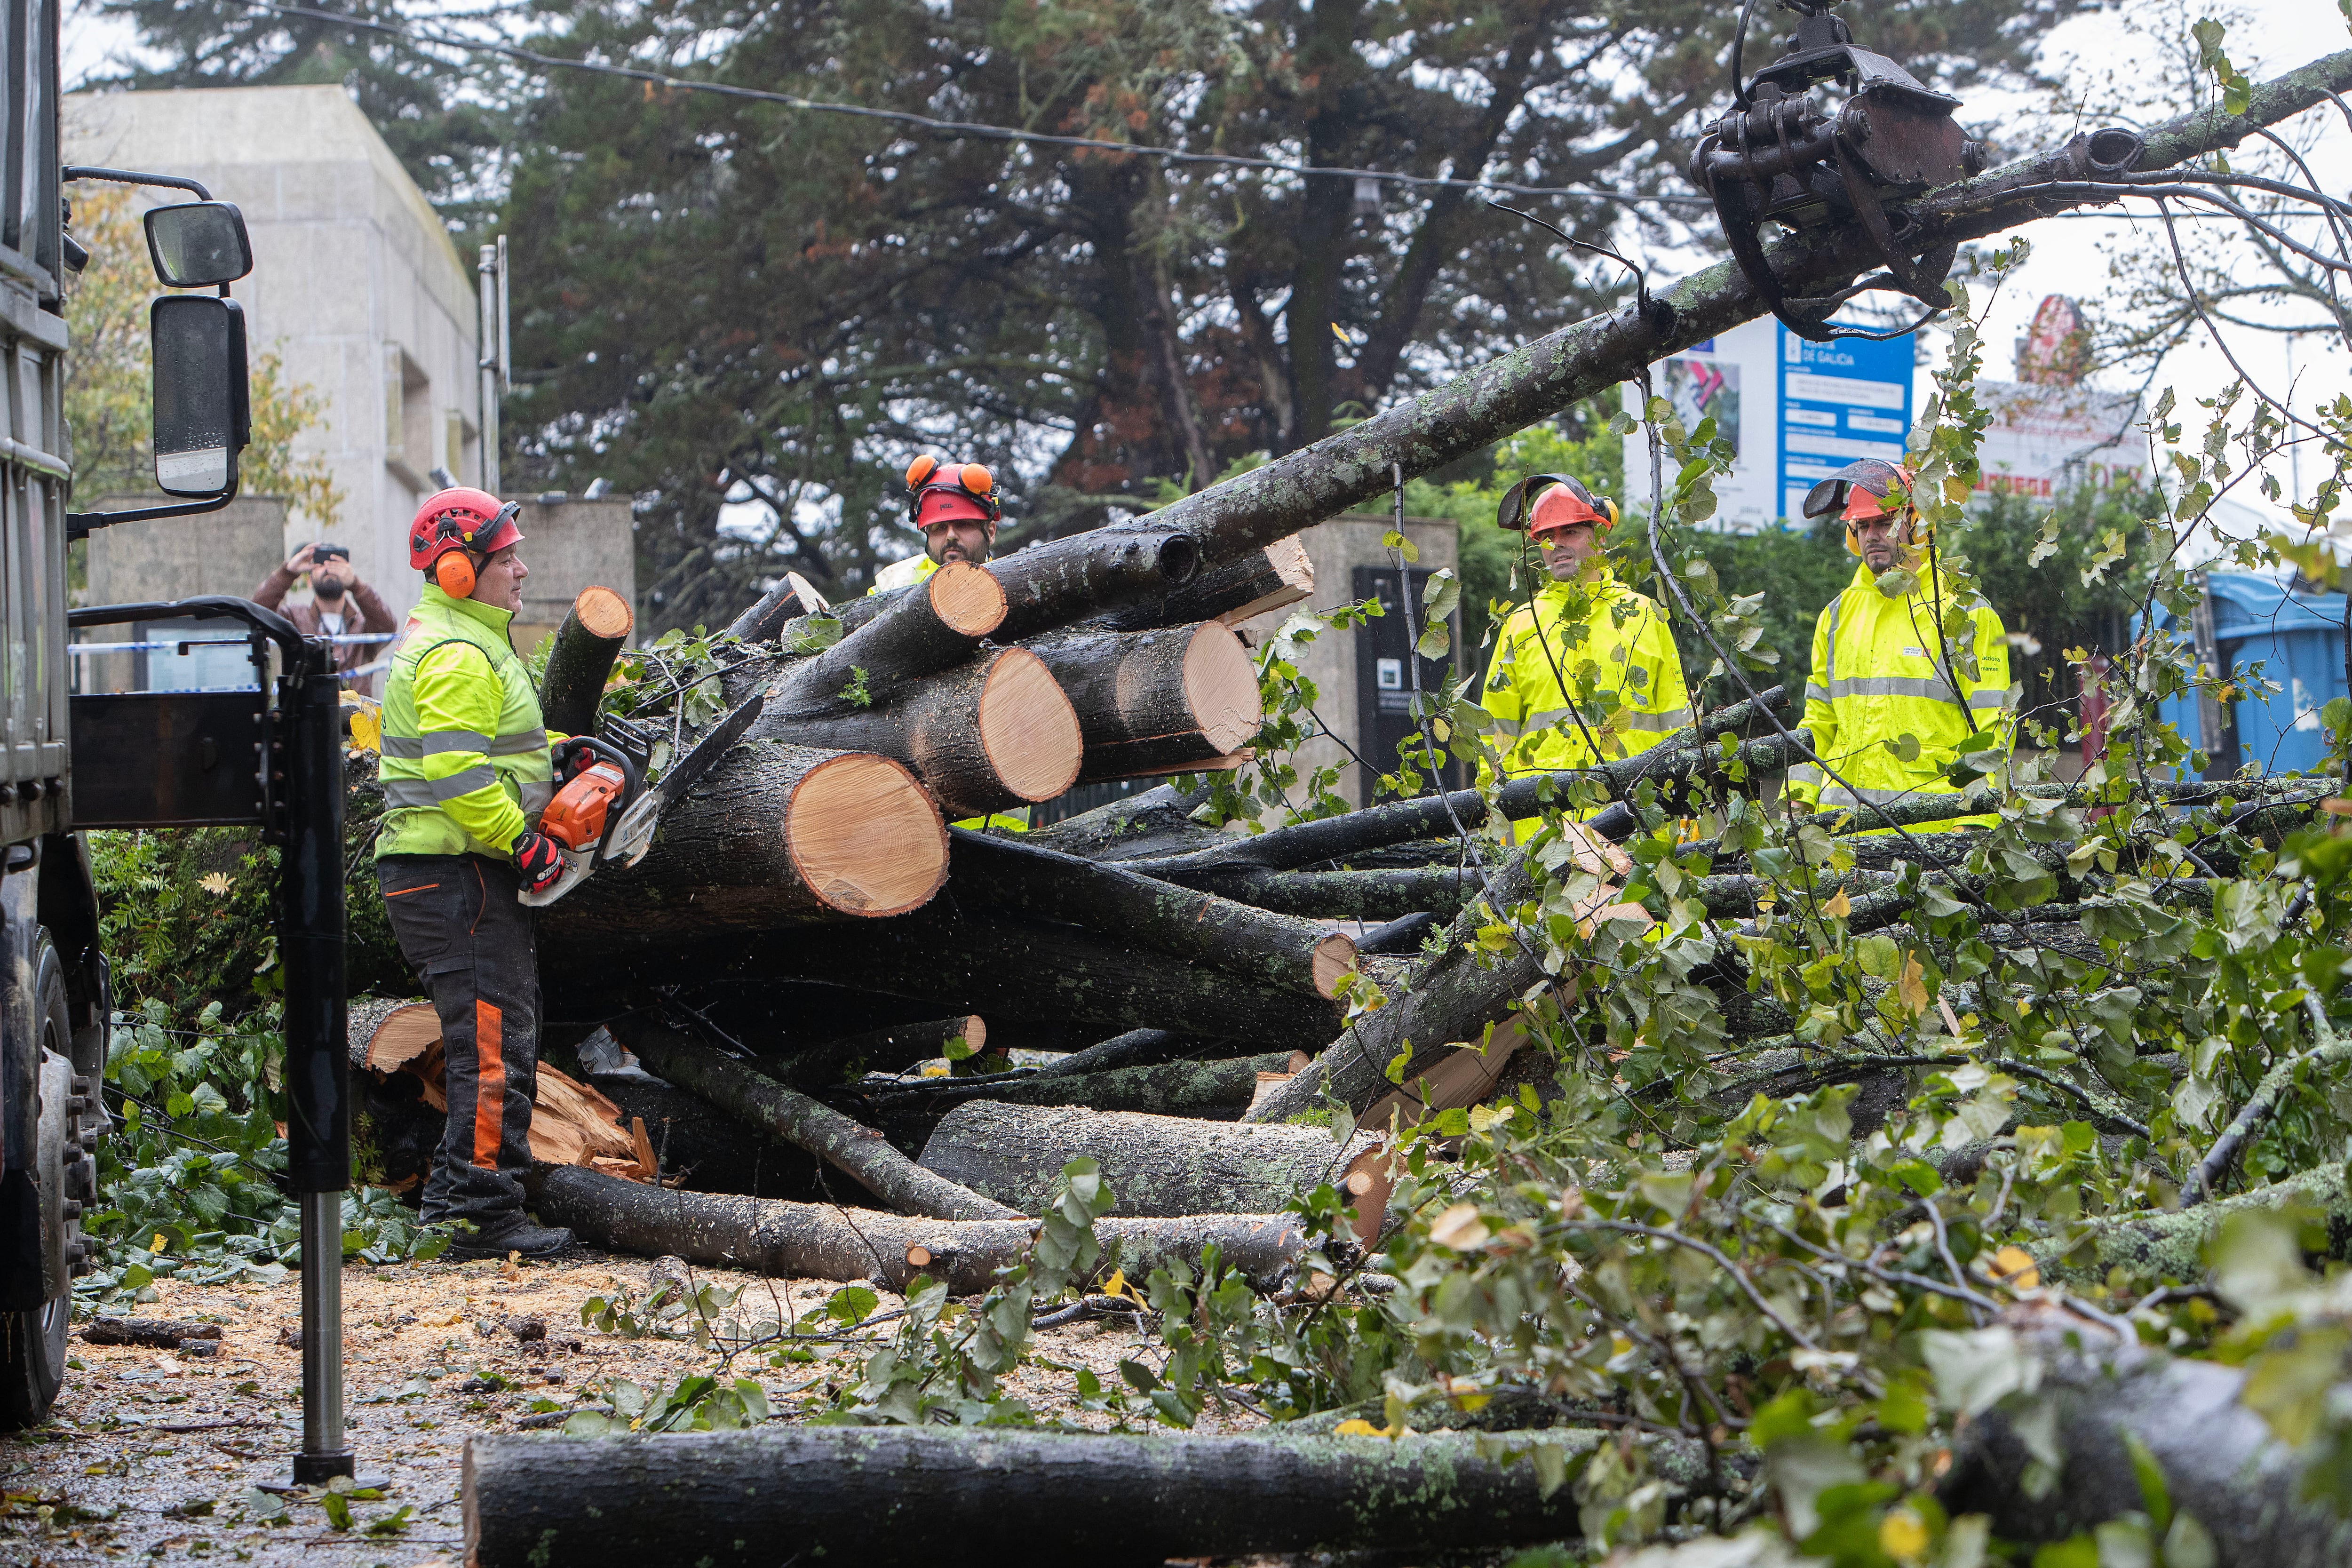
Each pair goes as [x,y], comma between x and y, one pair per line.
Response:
[1560,500]
[1861,491]
[461,519]
[940,492]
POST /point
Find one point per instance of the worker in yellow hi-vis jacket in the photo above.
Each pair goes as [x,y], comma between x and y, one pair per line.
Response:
[1891,701]
[956,508]
[1586,672]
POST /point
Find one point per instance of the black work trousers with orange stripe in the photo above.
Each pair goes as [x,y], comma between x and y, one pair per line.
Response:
[472,944]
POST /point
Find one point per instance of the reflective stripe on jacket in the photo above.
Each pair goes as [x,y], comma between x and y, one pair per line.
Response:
[466,765]
[1602,641]
[1873,680]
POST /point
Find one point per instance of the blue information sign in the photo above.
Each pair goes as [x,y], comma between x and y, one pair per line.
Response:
[1838,402]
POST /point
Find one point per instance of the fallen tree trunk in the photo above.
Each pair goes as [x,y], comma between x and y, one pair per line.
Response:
[892,1049]
[777,835]
[1206,1090]
[931,626]
[813,1241]
[1156,701]
[1346,894]
[2217,1457]
[855,1150]
[1136,1048]
[1005,968]
[1153,1164]
[891,1497]
[1045,588]
[1448,999]
[581,662]
[2170,1246]
[993,733]
[707,1153]
[765,620]
[1270,948]
[1256,584]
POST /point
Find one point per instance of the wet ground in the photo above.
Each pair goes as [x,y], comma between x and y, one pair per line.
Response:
[154,1455]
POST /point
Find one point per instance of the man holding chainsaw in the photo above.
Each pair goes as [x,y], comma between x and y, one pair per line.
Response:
[1893,701]
[467,769]
[1586,671]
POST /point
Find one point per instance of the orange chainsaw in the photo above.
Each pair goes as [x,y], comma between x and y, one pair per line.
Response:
[603,813]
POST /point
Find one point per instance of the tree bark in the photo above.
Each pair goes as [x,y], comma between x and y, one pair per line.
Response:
[766,619]
[776,836]
[1449,1000]
[824,1241]
[893,1498]
[1347,895]
[1200,1090]
[2218,1458]
[993,733]
[1153,823]
[1154,1165]
[1271,949]
[933,625]
[1156,701]
[1003,968]
[581,662]
[707,1153]
[1047,587]
[856,1150]
[1261,582]
[892,1049]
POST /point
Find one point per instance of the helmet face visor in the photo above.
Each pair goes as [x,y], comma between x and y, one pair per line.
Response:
[949,503]
[1541,502]
[1860,490]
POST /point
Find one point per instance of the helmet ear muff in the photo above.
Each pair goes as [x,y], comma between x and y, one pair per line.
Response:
[454,574]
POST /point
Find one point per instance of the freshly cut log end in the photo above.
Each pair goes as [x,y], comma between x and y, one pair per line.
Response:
[865,837]
[1221,685]
[1027,729]
[581,662]
[966,599]
[604,612]
[918,1258]
[1177,698]
[1335,959]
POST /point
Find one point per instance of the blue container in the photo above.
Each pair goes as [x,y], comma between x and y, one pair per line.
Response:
[2298,641]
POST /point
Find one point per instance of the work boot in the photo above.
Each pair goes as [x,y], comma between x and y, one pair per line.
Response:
[515,1235]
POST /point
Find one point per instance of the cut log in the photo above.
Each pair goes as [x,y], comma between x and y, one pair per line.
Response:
[766,619]
[934,626]
[581,662]
[1006,968]
[1154,824]
[813,1241]
[1206,1090]
[777,835]
[1154,1165]
[1047,588]
[992,733]
[1156,701]
[2217,1457]
[858,1151]
[892,1049]
[1275,950]
[1259,583]
[1136,1048]
[887,1497]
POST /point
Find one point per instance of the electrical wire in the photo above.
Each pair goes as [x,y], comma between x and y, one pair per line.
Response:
[959,129]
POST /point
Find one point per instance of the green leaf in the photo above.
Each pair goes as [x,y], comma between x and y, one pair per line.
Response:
[851,1305]
[1978,1369]
[2149,1473]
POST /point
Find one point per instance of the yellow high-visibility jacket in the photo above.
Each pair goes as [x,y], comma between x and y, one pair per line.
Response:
[1880,673]
[466,765]
[1597,634]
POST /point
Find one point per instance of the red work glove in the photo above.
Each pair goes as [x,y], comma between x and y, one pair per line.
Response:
[538,858]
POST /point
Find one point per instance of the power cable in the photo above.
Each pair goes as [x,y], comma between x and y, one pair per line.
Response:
[964,128]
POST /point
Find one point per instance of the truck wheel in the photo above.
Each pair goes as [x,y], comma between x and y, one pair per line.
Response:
[33,1344]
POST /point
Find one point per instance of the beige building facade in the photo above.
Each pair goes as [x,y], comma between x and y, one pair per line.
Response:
[356,286]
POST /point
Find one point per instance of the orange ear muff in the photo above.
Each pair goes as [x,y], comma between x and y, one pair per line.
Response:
[454,574]
[978,479]
[921,469]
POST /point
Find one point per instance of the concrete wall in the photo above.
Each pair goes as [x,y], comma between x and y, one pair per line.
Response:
[356,286]
[224,551]
[1336,549]
[570,545]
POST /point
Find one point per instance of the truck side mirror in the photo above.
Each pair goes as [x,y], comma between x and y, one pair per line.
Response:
[203,416]
[197,245]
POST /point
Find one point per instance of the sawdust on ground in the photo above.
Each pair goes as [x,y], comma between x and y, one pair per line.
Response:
[153,1455]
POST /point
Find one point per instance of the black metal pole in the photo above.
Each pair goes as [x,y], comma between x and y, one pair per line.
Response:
[318,1064]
